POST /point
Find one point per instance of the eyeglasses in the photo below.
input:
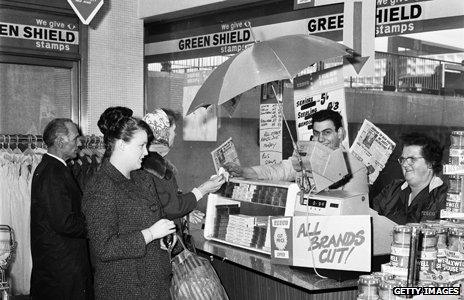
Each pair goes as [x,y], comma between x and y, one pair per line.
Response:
[410,160]
[325,134]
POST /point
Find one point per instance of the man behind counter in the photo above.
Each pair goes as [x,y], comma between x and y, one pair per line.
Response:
[327,130]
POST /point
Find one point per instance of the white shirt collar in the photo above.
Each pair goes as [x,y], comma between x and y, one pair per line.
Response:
[434,183]
[59,158]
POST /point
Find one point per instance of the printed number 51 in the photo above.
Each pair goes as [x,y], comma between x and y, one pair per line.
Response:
[324,97]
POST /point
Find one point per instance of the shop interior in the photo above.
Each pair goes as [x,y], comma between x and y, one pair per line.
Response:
[125,57]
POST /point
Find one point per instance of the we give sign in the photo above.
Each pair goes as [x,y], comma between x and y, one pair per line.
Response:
[326,242]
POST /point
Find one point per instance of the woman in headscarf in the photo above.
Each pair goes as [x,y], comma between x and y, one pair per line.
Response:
[175,203]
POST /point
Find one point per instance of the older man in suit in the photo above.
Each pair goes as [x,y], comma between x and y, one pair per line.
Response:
[60,261]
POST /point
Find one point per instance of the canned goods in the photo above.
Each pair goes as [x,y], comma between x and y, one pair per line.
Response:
[383,276]
[368,287]
[441,261]
[454,202]
[402,235]
[415,225]
[442,237]
[399,255]
[386,289]
[454,262]
[429,238]
[456,239]
[455,184]
[457,139]
[456,156]
[425,283]
[427,260]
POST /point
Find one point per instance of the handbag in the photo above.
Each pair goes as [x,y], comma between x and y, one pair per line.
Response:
[194,277]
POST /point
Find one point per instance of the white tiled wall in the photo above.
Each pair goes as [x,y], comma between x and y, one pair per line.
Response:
[115,61]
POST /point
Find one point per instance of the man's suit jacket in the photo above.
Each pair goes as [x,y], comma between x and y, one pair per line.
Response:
[60,261]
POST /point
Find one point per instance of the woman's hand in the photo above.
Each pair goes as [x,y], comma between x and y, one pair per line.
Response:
[212,185]
[162,228]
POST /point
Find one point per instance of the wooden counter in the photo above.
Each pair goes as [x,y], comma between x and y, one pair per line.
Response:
[250,275]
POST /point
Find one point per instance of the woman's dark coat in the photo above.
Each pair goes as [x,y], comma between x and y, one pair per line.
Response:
[175,204]
[117,209]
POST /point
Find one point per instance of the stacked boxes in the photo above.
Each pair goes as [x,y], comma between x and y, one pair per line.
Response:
[249,231]
[223,213]
[270,195]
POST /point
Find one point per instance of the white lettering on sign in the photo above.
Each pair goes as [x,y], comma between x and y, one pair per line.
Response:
[281,254]
[397,19]
[325,23]
[215,39]
[47,38]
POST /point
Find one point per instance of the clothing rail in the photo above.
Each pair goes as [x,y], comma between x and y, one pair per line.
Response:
[87,141]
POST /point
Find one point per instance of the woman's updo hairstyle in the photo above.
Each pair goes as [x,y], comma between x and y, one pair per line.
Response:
[117,123]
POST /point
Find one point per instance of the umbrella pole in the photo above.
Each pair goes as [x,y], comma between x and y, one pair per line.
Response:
[305,185]
[279,101]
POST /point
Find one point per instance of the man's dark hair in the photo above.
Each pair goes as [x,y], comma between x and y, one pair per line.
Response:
[173,116]
[328,114]
[432,151]
[56,127]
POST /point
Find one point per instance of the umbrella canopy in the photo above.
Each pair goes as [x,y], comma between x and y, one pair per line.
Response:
[275,59]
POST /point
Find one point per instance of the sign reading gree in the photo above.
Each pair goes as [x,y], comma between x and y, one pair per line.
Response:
[23,30]
[86,9]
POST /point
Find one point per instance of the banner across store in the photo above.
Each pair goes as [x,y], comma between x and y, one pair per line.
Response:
[391,17]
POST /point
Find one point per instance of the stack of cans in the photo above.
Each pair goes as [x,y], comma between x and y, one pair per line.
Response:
[455,197]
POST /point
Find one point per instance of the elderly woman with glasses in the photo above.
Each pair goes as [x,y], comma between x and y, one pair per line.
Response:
[422,194]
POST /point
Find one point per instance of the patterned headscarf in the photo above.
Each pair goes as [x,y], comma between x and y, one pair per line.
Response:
[159,123]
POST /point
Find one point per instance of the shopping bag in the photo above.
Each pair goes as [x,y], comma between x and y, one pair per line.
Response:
[194,278]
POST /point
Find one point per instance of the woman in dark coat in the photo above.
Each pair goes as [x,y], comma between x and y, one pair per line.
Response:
[176,204]
[125,217]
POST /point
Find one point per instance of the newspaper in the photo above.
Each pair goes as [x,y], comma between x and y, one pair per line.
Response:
[373,148]
[225,153]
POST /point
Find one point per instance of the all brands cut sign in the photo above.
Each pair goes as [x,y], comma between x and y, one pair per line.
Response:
[86,9]
[320,242]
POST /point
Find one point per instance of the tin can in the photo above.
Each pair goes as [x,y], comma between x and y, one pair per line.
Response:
[456,239]
[399,255]
[455,184]
[383,276]
[454,262]
[386,289]
[454,202]
[415,225]
[427,260]
[457,139]
[456,156]
[402,234]
[368,287]
[429,238]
